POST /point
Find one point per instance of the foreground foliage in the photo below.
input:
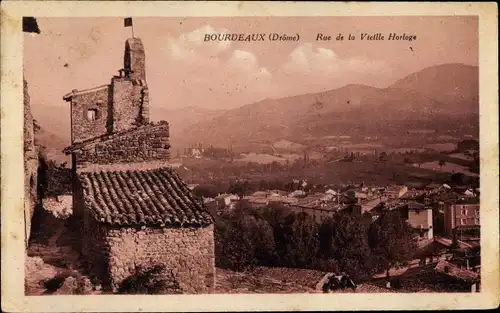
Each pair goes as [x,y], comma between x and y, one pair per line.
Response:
[346,243]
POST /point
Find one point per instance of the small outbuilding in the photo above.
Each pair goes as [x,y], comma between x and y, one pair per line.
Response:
[138,219]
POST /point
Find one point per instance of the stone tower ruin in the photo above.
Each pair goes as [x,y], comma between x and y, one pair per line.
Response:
[120,105]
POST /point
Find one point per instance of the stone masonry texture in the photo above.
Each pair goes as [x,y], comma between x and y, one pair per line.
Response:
[81,127]
[142,144]
[30,164]
[188,252]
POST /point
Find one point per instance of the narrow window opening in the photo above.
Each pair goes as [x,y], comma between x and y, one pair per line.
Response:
[92,114]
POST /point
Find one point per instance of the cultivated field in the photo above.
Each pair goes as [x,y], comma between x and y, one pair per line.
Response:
[448,167]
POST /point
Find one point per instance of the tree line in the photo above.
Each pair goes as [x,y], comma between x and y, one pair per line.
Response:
[348,243]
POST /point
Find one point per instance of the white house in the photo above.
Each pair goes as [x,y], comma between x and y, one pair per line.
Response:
[226,199]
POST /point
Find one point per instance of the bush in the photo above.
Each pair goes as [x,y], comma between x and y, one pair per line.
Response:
[152,280]
[68,283]
[205,191]
[53,179]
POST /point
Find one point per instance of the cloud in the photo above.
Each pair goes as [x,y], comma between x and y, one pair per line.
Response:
[187,45]
[307,59]
[246,63]
[193,49]
[216,70]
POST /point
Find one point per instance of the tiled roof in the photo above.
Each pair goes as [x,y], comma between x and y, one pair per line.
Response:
[454,271]
[156,197]
[75,92]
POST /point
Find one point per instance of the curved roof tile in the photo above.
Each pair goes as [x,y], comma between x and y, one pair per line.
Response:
[156,197]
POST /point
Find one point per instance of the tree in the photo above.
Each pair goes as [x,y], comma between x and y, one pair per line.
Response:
[441,163]
[240,188]
[243,239]
[216,153]
[458,178]
[468,144]
[407,160]
[344,238]
[475,156]
[467,154]
[297,241]
[205,191]
[383,158]
[391,240]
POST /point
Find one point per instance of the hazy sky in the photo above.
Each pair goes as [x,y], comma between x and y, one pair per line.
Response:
[183,70]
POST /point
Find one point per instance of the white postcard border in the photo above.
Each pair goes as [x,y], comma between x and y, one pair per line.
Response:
[13,298]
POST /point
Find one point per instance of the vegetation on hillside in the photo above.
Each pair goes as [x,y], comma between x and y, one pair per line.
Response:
[53,178]
[246,238]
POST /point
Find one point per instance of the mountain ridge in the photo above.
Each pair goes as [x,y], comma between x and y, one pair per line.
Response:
[429,96]
[454,92]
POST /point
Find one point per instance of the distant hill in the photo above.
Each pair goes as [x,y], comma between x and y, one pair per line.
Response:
[52,145]
[454,85]
[443,96]
[423,99]
[54,132]
[181,119]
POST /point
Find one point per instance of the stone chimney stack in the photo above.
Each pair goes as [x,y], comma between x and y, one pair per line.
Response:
[134,59]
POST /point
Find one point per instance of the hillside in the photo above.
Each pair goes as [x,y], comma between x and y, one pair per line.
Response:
[52,145]
[455,85]
[423,99]
[181,119]
[54,131]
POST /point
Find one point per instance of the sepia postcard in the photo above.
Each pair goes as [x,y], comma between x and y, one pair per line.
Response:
[249,156]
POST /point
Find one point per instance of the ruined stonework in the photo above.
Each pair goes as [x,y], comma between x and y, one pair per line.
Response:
[142,144]
[118,106]
[30,164]
[98,99]
[135,58]
[133,210]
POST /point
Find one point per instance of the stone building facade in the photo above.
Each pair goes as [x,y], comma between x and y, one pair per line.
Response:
[30,165]
[134,211]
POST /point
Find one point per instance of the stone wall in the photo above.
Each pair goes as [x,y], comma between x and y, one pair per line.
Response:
[127,103]
[135,58]
[81,127]
[121,105]
[148,143]
[30,164]
[188,252]
[95,249]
